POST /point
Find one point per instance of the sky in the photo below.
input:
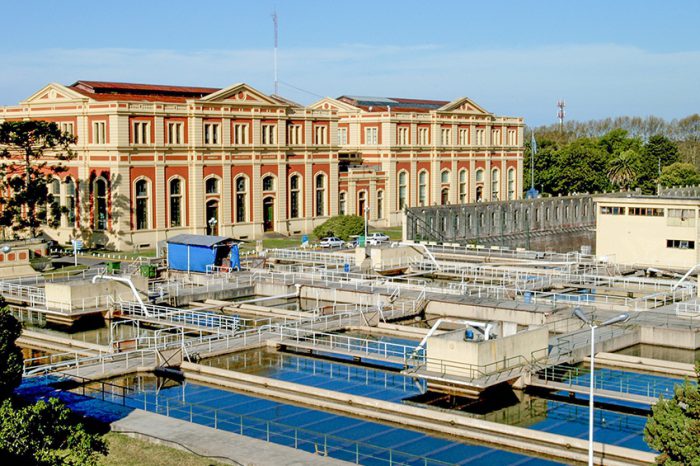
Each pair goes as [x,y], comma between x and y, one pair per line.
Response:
[604,58]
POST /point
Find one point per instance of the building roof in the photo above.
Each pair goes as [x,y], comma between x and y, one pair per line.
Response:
[199,240]
[383,104]
[103,90]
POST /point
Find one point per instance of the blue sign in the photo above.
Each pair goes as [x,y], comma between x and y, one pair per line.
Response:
[305,240]
[346,268]
[77,244]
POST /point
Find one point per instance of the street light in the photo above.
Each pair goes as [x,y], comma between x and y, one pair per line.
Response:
[366,212]
[591,323]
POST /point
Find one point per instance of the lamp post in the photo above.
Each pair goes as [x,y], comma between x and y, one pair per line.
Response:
[591,323]
[366,215]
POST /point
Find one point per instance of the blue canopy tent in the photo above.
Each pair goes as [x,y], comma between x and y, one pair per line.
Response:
[193,253]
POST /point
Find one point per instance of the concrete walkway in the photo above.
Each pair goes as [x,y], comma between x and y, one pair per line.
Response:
[218,445]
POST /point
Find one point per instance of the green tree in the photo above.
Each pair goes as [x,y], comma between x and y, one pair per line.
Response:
[622,170]
[581,166]
[658,152]
[11,360]
[679,174]
[674,426]
[342,226]
[32,152]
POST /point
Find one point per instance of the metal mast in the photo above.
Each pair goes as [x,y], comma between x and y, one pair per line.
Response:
[561,113]
[274,21]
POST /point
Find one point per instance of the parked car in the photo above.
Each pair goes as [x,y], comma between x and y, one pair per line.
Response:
[332,242]
[374,239]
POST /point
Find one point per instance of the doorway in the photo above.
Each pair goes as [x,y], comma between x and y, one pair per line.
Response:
[269,214]
[212,217]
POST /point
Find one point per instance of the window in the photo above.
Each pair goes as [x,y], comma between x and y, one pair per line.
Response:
[99,132]
[268,134]
[445,177]
[612,210]
[403,189]
[380,204]
[463,137]
[423,188]
[512,137]
[480,176]
[680,244]
[342,208]
[402,136]
[342,136]
[445,136]
[423,136]
[100,203]
[496,137]
[211,185]
[211,133]
[70,201]
[240,134]
[176,133]
[141,189]
[53,206]
[362,203]
[268,183]
[141,132]
[241,198]
[646,212]
[495,188]
[176,202]
[479,137]
[463,186]
[67,128]
[371,136]
[445,196]
[511,184]
[294,196]
[321,194]
[681,218]
[295,135]
[320,135]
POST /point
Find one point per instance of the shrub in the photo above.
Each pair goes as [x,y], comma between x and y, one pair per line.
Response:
[342,226]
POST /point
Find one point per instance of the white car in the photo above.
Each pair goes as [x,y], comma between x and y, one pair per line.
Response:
[332,242]
[376,239]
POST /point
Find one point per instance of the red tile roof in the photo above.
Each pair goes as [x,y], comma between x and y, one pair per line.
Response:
[102,91]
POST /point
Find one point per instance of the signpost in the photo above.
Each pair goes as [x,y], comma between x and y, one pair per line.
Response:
[77,246]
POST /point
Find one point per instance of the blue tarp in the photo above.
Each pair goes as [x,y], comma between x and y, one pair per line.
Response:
[193,253]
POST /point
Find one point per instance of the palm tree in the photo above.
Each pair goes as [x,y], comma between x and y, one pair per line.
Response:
[622,170]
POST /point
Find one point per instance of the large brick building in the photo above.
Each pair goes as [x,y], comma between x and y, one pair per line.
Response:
[155,161]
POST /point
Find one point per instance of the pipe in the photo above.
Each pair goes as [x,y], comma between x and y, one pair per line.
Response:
[267,298]
[131,285]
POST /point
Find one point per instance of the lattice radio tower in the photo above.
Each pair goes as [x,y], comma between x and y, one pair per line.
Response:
[274,21]
[561,113]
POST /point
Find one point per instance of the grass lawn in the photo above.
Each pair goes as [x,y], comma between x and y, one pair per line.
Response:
[127,451]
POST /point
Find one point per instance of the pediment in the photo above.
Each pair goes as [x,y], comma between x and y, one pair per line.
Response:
[465,105]
[330,104]
[53,93]
[241,94]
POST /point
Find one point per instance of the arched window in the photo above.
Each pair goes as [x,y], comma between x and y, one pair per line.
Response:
[211,185]
[480,176]
[54,204]
[176,202]
[445,196]
[380,204]
[445,177]
[241,198]
[403,190]
[294,196]
[495,188]
[511,184]
[423,188]
[141,192]
[70,201]
[342,208]
[463,186]
[320,195]
[361,203]
[268,183]
[100,203]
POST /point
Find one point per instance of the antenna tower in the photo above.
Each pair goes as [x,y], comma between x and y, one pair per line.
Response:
[561,113]
[274,21]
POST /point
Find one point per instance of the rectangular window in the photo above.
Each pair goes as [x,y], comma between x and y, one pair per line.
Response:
[445,136]
[512,137]
[496,137]
[320,135]
[463,137]
[479,137]
[141,132]
[342,136]
[402,136]
[176,133]
[67,127]
[423,136]
[681,218]
[211,133]
[371,136]
[99,132]
[240,134]
[295,135]
[268,134]
[680,244]
[646,212]
[612,210]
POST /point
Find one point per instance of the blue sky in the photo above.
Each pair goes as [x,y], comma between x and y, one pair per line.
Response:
[604,58]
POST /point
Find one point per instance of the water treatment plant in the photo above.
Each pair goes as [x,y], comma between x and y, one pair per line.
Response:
[403,353]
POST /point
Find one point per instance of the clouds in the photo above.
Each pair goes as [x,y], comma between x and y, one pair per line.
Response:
[596,80]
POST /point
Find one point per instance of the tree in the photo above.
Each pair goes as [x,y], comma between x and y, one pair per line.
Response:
[342,226]
[26,172]
[679,174]
[11,360]
[658,152]
[623,169]
[674,426]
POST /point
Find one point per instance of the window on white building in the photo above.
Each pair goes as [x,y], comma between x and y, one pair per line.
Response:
[463,137]
[402,136]
[295,133]
[67,128]
[320,195]
[446,136]
[211,133]
[463,186]
[142,199]
[100,203]
[241,198]
[99,132]
[512,137]
[495,188]
[240,134]
[176,202]
[479,137]
[511,184]
[176,134]
[294,196]
[423,136]
[342,136]
[320,135]
[371,136]
[268,134]
[142,132]
[403,190]
[496,137]
[423,188]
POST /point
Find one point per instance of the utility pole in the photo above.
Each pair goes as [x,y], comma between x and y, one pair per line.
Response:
[561,113]
[274,21]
